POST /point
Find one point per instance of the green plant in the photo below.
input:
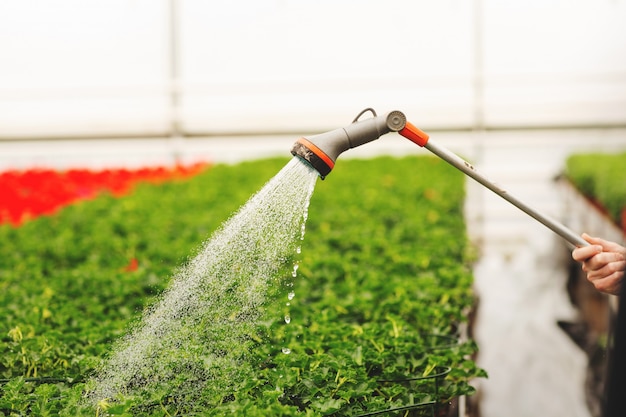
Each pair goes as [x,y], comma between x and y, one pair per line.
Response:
[384,280]
[602,178]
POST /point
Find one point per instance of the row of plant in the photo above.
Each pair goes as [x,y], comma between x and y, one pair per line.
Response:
[384,282]
[601,177]
[31,193]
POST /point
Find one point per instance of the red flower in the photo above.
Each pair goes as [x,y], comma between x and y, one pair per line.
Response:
[132,265]
[31,193]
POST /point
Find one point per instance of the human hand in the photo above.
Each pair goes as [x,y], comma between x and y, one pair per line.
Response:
[604,262]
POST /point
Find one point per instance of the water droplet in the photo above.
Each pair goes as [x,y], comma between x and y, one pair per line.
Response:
[291,295]
[295,270]
[287,319]
[227,260]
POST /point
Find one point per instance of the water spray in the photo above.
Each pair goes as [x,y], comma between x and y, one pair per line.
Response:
[321,152]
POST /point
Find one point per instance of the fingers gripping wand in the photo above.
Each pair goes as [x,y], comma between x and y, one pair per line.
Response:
[420,138]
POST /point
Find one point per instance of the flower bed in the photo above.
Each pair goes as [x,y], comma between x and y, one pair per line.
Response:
[383,284]
[31,193]
[602,179]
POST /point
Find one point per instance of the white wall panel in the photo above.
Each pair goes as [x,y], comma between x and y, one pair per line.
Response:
[82,67]
[93,68]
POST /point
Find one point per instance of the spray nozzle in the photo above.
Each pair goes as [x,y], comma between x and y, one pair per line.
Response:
[321,151]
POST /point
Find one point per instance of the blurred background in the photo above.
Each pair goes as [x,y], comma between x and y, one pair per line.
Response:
[513,86]
[85,69]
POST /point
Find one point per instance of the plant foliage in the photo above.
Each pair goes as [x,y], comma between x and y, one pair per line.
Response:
[602,178]
[384,281]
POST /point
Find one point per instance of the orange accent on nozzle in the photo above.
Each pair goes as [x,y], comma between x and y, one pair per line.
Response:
[317,151]
[414,134]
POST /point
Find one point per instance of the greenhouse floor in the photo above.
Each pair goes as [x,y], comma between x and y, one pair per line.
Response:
[520,276]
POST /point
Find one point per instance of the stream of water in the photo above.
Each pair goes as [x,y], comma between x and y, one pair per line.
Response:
[194,340]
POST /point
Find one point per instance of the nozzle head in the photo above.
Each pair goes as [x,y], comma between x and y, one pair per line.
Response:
[321,151]
[310,153]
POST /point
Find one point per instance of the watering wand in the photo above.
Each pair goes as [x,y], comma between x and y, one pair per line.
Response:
[321,151]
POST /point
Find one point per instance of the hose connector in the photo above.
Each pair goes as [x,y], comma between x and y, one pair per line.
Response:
[321,151]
